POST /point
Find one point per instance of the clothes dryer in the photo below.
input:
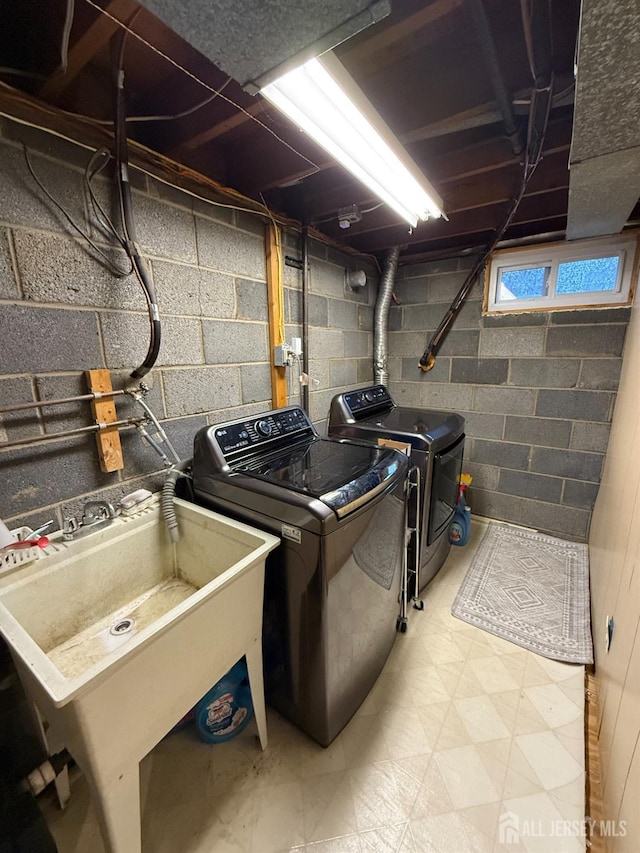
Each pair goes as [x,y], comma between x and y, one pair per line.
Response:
[436,442]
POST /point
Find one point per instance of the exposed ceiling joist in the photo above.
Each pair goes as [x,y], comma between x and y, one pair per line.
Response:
[532,210]
[422,67]
[222,127]
[90,42]
[328,191]
[393,40]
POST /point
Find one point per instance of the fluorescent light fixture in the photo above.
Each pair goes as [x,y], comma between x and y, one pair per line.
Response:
[323,100]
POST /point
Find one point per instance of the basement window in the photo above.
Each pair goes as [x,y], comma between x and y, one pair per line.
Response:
[557,276]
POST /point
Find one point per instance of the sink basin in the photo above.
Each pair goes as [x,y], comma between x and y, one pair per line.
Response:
[117,635]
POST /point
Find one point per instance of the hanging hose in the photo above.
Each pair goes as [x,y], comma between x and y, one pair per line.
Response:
[138,395]
[126,214]
[168,494]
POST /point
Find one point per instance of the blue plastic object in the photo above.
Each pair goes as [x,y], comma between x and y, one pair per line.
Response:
[226,709]
[460,526]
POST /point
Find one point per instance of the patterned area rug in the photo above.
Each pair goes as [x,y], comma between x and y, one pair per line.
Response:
[531,589]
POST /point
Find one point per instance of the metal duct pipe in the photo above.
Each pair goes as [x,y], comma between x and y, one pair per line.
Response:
[385,291]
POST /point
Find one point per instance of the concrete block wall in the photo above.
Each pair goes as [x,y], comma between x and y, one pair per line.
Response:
[537,391]
[62,312]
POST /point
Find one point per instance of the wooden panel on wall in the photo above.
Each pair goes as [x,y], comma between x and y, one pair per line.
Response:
[104,411]
[276,312]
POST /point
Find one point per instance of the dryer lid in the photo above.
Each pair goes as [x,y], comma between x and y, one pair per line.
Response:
[421,425]
[423,429]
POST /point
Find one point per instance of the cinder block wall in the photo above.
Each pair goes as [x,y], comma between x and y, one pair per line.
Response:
[61,312]
[537,391]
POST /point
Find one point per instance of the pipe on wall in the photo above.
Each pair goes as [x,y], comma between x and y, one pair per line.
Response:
[381,323]
[503,97]
[305,315]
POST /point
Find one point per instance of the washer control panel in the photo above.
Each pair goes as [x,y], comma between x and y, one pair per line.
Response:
[250,434]
[366,398]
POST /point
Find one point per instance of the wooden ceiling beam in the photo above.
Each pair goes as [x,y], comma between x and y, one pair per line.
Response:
[419,253]
[474,193]
[494,154]
[411,33]
[262,181]
[262,162]
[531,210]
[480,115]
[477,116]
[331,191]
[222,127]
[85,48]
[258,179]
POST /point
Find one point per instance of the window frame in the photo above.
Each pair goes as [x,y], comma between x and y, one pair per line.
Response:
[625,246]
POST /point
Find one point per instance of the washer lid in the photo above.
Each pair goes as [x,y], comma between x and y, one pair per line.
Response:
[341,475]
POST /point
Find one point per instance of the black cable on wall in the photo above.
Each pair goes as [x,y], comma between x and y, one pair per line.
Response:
[126,213]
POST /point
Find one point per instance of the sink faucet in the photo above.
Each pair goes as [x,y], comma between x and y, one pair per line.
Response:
[94,514]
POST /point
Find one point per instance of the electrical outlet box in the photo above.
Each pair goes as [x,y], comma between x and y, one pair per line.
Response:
[348,216]
[281,355]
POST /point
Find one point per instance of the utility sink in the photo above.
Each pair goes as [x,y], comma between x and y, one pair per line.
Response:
[119,634]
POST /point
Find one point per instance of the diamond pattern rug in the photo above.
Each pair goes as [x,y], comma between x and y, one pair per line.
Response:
[531,589]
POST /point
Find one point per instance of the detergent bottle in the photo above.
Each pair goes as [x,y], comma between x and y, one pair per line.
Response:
[460,526]
[227,708]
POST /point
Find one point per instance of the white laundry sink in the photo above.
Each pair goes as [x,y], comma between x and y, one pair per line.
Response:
[118,635]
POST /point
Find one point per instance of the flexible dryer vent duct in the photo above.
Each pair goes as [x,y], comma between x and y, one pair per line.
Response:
[385,291]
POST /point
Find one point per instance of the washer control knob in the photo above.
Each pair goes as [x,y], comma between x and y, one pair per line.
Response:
[369,396]
[264,428]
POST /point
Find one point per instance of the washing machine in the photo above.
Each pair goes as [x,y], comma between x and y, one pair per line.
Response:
[332,587]
[435,441]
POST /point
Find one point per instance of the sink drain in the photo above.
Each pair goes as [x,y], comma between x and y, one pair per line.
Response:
[122,627]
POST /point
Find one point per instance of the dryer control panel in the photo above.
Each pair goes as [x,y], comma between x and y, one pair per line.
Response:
[368,398]
[249,434]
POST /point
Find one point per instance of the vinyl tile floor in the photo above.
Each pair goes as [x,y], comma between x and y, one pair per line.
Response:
[465,743]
